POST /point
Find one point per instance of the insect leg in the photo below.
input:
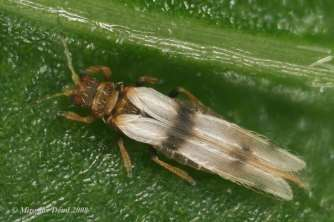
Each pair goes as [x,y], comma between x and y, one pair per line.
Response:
[142,80]
[193,99]
[76,117]
[175,170]
[125,156]
[105,70]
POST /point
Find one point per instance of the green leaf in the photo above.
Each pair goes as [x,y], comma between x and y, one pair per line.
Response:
[274,79]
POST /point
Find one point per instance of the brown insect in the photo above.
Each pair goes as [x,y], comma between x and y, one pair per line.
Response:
[186,132]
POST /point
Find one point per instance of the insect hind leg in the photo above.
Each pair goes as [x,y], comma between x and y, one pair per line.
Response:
[175,170]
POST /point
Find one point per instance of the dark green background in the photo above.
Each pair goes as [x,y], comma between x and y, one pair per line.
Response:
[278,95]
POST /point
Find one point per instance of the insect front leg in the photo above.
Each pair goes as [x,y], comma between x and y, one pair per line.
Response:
[125,156]
[104,70]
[193,99]
[76,117]
[142,80]
[175,170]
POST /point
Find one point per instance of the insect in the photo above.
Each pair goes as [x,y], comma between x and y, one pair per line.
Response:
[189,132]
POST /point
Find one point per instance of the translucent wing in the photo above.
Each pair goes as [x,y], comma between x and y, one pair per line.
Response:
[141,129]
[225,132]
[153,103]
[216,130]
[206,155]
